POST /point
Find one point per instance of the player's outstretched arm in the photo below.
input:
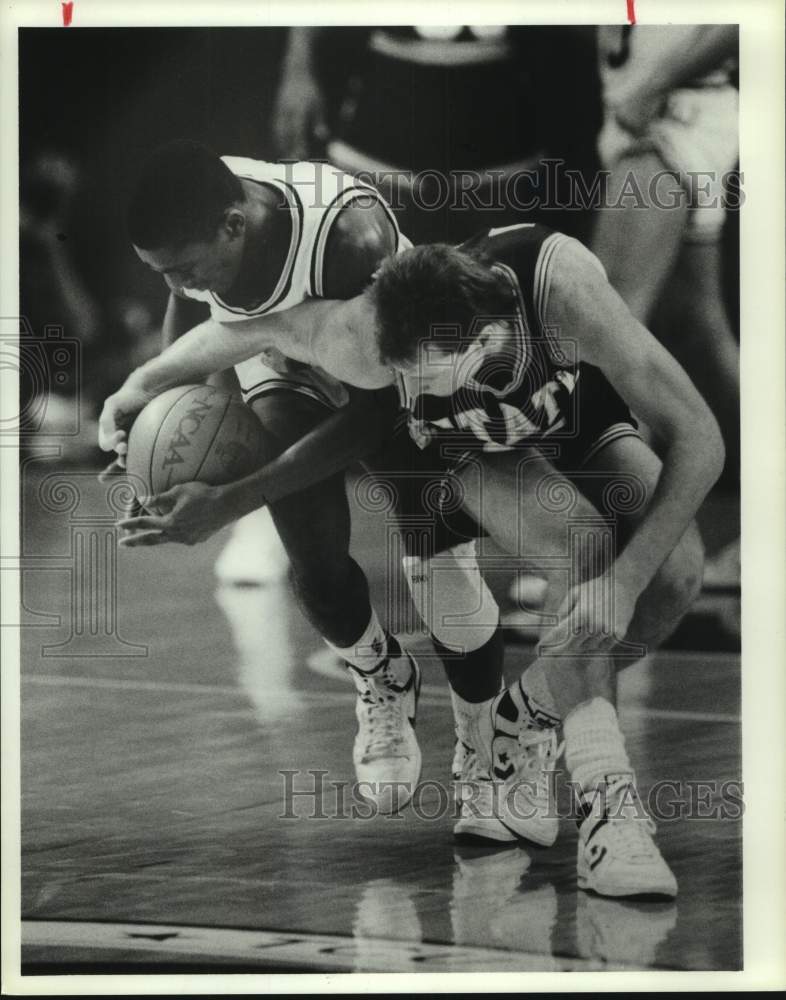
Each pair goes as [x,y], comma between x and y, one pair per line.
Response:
[583,307]
[207,348]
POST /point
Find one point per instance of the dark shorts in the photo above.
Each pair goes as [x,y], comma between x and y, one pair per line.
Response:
[418,480]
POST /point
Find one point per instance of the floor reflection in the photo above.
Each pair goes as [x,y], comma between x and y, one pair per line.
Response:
[262,620]
[628,932]
[494,904]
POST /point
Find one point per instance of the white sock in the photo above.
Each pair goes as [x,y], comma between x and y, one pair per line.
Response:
[369,650]
[594,746]
[372,648]
[535,686]
[466,715]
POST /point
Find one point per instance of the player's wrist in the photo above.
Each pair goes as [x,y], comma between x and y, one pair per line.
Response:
[234,500]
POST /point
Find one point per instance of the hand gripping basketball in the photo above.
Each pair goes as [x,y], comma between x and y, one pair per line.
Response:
[115,421]
[187,513]
[183,452]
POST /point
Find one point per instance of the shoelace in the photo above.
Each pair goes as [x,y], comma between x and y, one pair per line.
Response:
[383,721]
[631,827]
[634,836]
[538,754]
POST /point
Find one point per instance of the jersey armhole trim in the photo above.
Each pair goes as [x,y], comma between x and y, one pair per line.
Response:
[342,200]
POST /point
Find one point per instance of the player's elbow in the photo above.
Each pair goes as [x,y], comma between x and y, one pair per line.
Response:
[716,449]
[708,443]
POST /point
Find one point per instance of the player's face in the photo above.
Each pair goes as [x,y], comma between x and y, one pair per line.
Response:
[441,373]
[202,266]
[438,372]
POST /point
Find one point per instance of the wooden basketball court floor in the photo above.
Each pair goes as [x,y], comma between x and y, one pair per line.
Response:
[154,835]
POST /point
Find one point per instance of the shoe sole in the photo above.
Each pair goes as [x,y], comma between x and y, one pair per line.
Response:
[467,830]
[617,891]
[541,841]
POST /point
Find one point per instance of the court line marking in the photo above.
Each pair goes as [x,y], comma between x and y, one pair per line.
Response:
[322,952]
[429,694]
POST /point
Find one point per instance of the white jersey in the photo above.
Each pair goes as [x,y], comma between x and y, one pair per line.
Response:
[315,193]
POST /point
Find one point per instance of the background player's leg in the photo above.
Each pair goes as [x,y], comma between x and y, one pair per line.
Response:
[692,322]
[638,243]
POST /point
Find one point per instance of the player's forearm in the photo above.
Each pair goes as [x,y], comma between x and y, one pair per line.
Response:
[347,436]
[703,52]
[207,348]
[692,462]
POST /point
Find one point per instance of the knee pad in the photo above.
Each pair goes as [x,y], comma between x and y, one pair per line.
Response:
[452,598]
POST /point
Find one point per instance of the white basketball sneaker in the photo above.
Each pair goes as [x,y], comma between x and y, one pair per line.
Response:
[477,797]
[616,853]
[386,754]
[524,757]
[475,792]
[254,554]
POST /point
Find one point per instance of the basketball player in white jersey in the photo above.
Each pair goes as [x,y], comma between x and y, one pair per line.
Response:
[252,239]
[518,396]
[670,105]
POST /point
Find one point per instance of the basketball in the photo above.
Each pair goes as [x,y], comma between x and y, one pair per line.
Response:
[193,432]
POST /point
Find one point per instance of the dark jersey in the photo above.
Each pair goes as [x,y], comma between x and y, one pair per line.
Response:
[526,391]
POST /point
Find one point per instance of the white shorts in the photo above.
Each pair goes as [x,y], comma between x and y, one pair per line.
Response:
[272,372]
[698,137]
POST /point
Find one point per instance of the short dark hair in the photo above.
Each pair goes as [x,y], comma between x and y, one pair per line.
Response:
[181,194]
[433,290]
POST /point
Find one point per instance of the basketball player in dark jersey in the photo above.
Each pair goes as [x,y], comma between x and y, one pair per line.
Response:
[514,355]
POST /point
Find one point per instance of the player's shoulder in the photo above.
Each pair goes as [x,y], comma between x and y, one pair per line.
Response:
[362,234]
[530,247]
[297,173]
[509,244]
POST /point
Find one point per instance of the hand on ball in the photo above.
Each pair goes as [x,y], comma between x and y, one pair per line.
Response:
[116,418]
[187,513]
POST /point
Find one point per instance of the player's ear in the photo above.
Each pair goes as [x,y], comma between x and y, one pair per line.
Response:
[484,335]
[234,223]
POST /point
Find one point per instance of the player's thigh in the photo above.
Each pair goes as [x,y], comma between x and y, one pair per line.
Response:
[523,501]
[314,523]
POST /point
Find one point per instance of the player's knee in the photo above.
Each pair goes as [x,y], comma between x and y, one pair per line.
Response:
[323,586]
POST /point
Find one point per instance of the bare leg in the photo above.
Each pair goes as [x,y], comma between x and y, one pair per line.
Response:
[638,246]
[537,514]
[691,321]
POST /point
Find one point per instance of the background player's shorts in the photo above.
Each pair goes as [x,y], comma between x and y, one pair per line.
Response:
[419,480]
[697,133]
[272,372]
